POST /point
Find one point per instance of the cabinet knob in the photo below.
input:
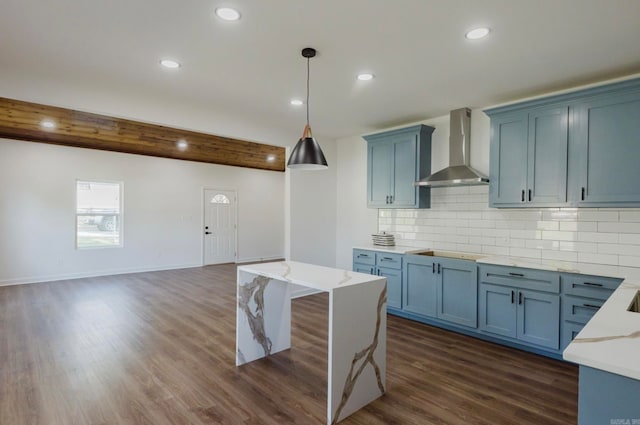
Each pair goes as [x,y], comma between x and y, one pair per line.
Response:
[529,195]
[513,296]
[520,298]
[522,196]
[582,193]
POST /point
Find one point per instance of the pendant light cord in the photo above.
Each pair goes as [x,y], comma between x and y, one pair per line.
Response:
[308,73]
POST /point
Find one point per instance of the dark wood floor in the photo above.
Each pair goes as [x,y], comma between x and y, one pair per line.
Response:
[158,348]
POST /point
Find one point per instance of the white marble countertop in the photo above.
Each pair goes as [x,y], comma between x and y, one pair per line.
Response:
[398,249]
[611,339]
[309,275]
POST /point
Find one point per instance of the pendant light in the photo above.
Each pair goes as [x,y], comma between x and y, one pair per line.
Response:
[307,155]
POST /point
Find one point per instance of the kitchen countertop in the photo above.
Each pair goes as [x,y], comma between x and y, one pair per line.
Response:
[610,341]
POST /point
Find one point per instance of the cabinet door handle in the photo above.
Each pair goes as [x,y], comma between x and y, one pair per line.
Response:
[582,194]
[591,306]
[597,285]
[438,268]
[386,259]
[386,200]
[529,195]
[433,267]
[512,297]
[516,274]
[522,196]
[363,255]
[391,199]
[519,297]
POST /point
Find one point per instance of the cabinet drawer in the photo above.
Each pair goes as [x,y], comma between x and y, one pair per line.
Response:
[390,261]
[538,280]
[361,256]
[589,286]
[570,330]
[578,309]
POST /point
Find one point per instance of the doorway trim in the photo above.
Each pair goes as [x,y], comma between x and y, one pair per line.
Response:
[202,218]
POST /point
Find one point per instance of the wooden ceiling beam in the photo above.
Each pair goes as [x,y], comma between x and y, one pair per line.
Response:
[22,120]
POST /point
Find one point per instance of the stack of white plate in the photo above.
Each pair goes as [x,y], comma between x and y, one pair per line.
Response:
[383,239]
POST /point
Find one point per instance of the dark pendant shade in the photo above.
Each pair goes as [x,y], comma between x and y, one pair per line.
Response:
[307,155]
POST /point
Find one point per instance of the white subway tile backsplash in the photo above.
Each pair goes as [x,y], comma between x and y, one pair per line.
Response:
[630,215]
[587,257]
[560,255]
[460,220]
[588,214]
[606,226]
[525,253]
[559,236]
[495,250]
[597,237]
[548,225]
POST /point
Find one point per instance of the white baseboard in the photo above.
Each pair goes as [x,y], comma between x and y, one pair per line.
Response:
[53,278]
[257,259]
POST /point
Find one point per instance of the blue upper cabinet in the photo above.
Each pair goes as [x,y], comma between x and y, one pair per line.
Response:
[608,150]
[395,161]
[508,171]
[577,149]
[529,158]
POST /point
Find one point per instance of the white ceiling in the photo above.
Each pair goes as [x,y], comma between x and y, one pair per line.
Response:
[416,48]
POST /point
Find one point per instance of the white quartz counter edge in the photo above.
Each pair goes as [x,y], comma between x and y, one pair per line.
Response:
[392,249]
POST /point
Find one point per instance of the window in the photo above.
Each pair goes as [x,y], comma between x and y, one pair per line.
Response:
[219,199]
[98,214]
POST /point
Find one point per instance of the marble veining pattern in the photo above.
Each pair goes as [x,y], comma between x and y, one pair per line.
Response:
[366,355]
[255,289]
[347,277]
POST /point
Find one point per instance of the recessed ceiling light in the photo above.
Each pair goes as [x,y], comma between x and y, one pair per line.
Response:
[477,33]
[271,158]
[296,102]
[170,63]
[48,124]
[227,14]
[182,145]
[365,76]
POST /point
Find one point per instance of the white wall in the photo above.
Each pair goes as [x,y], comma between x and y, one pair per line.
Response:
[313,214]
[162,211]
[270,202]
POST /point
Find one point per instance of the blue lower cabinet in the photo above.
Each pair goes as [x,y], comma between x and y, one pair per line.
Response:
[570,330]
[394,286]
[360,268]
[498,310]
[539,318]
[457,292]
[420,287]
[530,317]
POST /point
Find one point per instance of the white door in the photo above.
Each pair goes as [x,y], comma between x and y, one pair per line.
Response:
[219,226]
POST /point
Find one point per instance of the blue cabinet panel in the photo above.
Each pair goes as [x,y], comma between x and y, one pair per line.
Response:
[547,156]
[569,331]
[607,398]
[539,318]
[420,286]
[379,174]
[389,260]
[361,256]
[394,286]
[508,159]
[360,268]
[609,148]
[498,310]
[458,292]
[396,159]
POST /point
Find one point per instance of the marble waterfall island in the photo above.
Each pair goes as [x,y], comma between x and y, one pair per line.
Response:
[357,346]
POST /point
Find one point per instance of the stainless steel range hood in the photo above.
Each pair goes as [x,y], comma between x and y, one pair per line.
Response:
[458,173]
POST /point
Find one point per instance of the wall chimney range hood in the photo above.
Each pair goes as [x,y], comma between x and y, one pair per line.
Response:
[458,173]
